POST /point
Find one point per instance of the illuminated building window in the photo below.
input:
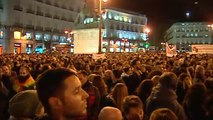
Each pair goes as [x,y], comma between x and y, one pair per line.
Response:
[206,36]
[192,34]
[130,20]
[1,35]
[29,36]
[125,19]
[17,35]
[38,36]
[196,34]
[120,35]
[134,37]
[121,18]
[116,17]
[55,38]
[46,37]
[110,15]
[104,16]
[62,39]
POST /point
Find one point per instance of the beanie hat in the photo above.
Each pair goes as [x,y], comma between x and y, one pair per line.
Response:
[169,80]
[24,104]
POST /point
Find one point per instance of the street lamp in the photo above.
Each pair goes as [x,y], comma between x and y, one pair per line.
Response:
[100,26]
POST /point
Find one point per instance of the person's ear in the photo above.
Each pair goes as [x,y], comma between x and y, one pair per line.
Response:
[55,102]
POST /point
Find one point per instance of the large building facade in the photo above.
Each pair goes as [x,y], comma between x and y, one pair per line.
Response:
[26,25]
[122,30]
[184,34]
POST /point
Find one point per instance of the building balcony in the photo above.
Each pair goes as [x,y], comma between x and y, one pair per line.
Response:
[30,11]
[70,20]
[48,2]
[40,1]
[18,25]
[64,19]
[18,8]
[48,29]
[56,30]
[39,28]
[56,4]
[30,27]
[56,17]
[64,7]
[39,13]
[48,15]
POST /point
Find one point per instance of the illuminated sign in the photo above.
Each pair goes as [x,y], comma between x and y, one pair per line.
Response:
[17,44]
[17,35]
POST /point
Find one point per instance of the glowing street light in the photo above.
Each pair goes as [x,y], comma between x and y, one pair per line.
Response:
[147,30]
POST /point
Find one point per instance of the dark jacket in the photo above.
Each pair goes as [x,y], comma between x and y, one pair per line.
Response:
[162,97]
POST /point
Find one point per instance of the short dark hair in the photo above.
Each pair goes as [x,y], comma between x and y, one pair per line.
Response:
[117,73]
[133,63]
[131,101]
[50,83]
[169,80]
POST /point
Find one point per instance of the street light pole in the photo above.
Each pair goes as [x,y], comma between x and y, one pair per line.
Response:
[100,27]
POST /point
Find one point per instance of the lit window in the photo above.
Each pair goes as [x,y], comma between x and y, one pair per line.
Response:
[120,35]
[17,35]
[206,35]
[46,37]
[116,17]
[192,34]
[121,18]
[62,39]
[29,36]
[38,36]
[125,19]
[55,38]
[104,16]
[196,34]
[1,34]
[110,16]
[130,20]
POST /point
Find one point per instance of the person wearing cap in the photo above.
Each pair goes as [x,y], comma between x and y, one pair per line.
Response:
[25,105]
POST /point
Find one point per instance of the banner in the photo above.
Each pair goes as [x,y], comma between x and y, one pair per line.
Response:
[202,49]
[171,52]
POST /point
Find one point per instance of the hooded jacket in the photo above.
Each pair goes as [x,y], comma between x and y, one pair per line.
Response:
[162,97]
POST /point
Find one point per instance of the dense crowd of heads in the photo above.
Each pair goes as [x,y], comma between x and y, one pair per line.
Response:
[129,86]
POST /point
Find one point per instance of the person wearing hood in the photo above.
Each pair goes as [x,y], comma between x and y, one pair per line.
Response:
[164,96]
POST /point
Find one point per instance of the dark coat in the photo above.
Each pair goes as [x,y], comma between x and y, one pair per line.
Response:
[162,97]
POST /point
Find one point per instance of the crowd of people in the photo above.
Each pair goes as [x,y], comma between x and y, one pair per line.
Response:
[122,86]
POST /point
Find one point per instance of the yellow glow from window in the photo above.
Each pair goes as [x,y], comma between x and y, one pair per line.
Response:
[125,19]
[17,35]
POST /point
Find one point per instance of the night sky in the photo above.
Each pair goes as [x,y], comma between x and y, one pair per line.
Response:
[163,13]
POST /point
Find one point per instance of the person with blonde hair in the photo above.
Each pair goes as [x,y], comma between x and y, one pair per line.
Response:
[163,114]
